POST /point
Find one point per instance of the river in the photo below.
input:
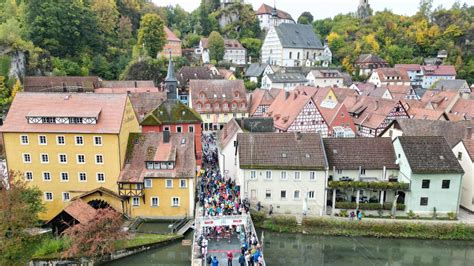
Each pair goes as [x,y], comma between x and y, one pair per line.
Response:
[308,250]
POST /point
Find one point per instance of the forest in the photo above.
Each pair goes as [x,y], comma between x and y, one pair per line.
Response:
[113,39]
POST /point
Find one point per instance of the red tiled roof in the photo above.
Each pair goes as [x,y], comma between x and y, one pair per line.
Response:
[440,100]
[228,43]
[126,90]
[226,134]
[464,107]
[469,144]
[80,211]
[408,67]
[392,72]
[287,106]
[439,70]
[166,152]
[262,97]
[170,36]
[215,92]
[267,10]
[423,113]
[372,111]
[109,107]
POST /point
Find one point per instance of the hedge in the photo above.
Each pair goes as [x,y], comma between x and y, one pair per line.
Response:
[448,231]
[380,185]
[368,206]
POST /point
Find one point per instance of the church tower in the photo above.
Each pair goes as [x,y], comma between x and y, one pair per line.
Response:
[364,11]
[171,83]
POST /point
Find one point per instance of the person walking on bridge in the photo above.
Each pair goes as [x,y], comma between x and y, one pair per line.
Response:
[230,257]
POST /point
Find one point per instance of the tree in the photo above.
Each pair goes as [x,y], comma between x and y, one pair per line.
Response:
[5,95]
[216,46]
[107,15]
[151,34]
[19,209]
[305,18]
[16,88]
[253,47]
[96,239]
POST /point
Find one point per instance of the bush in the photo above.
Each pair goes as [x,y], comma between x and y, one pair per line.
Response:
[51,246]
[368,206]
[452,216]
[343,213]
[411,214]
[380,185]
[258,217]
[284,220]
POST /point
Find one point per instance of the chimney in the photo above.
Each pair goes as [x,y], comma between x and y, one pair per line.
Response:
[468,133]
[136,84]
[376,105]
[287,94]
[298,135]
[166,136]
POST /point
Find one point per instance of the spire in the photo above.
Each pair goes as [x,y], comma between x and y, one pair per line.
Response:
[274,10]
[170,77]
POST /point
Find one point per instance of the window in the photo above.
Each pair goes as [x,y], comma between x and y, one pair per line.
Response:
[167,129]
[268,194]
[24,140]
[82,177]
[446,184]
[283,175]
[268,175]
[148,183]
[297,176]
[46,176]
[191,129]
[154,201]
[362,171]
[283,194]
[29,176]
[425,183]
[75,120]
[175,202]
[64,177]
[459,156]
[290,55]
[312,176]
[182,183]
[26,158]
[423,201]
[100,177]
[81,159]
[60,140]
[99,159]
[42,140]
[66,196]
[62,158]
[98,141]
[296,194]
[179,129]
[135,201]
[169,183]
[253,194]
[253,175]
[48,196]
[79,140]
[311,195]
[44,158]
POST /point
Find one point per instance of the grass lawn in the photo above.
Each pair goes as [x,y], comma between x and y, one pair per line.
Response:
[143,239]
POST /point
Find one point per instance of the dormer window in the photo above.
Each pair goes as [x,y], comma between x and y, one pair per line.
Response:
[61,120]
[199,106]
[208,106]
[151,165]
[234,106]
[236,94]
[225,106]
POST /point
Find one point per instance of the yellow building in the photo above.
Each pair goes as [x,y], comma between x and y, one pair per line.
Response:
[158,179]
[68,144]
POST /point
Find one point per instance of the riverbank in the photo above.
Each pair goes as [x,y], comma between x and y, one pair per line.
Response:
[328,226]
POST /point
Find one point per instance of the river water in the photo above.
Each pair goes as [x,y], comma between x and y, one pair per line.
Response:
[308,250]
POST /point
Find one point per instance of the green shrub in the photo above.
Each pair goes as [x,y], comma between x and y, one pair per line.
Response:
[452,216]
[379,185]
[258,217]
[343,213]
[435,214]
[283,220]
[51,246]
[411,214]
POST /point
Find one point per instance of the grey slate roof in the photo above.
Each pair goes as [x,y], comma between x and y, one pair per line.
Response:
[452,131]
[298,36]
[256,124]
[287,151]
[287,77]
[455,84]
[255,70]
[430,155]
[367,153]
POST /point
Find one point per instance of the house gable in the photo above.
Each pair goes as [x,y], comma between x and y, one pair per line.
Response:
[309,120]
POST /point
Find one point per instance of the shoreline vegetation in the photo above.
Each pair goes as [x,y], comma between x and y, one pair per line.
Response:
[327,226]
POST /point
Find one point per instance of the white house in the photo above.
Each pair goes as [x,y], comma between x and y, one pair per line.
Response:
[285,170]
[234,52]
[464,151]
[325,78]
[227,140]
[255,71]
[294,45]
[431,74]
[389,76]
[271,16]
[286,81]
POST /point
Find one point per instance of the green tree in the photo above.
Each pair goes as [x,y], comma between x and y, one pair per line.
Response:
[107,15]
[305,18]
[253,47]
[19,209]
[151,34]
[216,46]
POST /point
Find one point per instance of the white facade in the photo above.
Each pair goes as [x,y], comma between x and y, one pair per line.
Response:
[274,53]
[228,158]
[467,186]
[288,191]
[375,79]
[428,81]
[267,83]
[324,81]
[235,56]
[267,21]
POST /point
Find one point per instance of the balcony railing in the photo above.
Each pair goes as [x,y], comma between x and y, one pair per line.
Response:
[378,185]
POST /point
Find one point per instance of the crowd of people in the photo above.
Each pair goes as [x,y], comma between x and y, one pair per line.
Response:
[219,195]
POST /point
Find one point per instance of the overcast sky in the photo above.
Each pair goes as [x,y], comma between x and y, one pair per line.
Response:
[325,8]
